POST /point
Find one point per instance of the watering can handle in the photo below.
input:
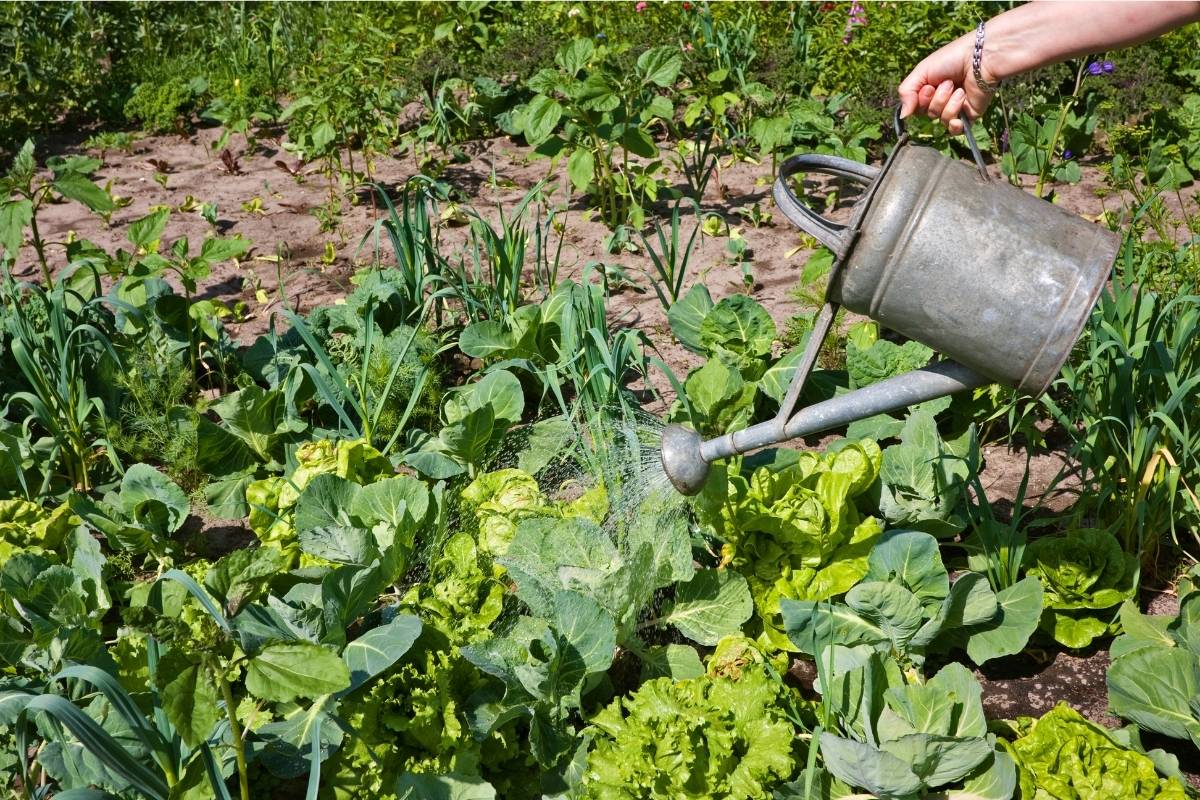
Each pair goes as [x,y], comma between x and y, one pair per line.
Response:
[834,236]
[898,126]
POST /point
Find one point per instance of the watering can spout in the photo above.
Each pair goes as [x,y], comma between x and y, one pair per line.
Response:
[686,457]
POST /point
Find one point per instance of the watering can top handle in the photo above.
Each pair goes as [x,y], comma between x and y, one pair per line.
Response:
[834,236]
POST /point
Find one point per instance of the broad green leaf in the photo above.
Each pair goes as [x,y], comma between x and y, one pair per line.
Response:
[574,55]
[402,502]
[675,661]
[548,439]
[215,250]
[638,142]
[287,745]
[283,672]
[541,118]
[437,466]
[660,65]
[714,603]
[144,233]
[443,787]
[911,558]
[861,765]
[189,697]
[379,648]
[589,632]
[687,315]
[75,186]
[1154,687]
[243,574]
[970,602]
[889,607]
[1140,630]
[580,167]
[1020,611]
[485,339]
[326,502]
[152,500]
[996,781]
[957,681]
[938,760]
[740,325]
[15,216]
[776,381]
[809,624]
[468,438]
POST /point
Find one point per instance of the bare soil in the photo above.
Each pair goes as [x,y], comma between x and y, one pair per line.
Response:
[289,262]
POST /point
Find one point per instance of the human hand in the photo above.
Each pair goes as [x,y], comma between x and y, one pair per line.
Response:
[943,84]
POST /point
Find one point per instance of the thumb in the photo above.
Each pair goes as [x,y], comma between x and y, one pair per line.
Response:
[910,90]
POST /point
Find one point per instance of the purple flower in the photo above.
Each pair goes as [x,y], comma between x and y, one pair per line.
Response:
[1068,155]
[1095,68]
[1108,66]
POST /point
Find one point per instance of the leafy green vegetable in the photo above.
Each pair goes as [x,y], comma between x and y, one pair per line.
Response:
[1062,756]
[28,527]
[924,478]
[906,606]
[544,665]
[462,596]
[792,528]
[1087,576]
[698,738]
[870,359]
[902,738]
[1154,677]
[273,500]
[415,718]
[141,517]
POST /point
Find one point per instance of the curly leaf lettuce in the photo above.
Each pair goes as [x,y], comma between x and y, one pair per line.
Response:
[273,500]
[1062,756]
[499,500]
[794,530]
[699,738]
[1086,576]
[27,527]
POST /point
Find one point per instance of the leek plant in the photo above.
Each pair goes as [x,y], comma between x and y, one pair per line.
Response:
[414,244]
[669,261]
[358,406]
[59,340]
[492,286]
[1130,409]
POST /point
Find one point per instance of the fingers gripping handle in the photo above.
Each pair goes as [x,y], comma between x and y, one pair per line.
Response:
[834,236]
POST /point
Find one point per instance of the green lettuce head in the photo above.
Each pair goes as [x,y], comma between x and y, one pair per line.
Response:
[1062,756]
[273,500]
[699,738]
[793,529]
[1086,576]
[27,527]
[500,500]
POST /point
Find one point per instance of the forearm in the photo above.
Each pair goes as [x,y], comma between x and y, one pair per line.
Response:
[1041,33]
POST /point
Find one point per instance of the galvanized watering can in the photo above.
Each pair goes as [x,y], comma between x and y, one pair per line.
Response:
[997,280]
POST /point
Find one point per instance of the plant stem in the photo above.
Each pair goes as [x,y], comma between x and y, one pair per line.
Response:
[39,246]
[235,730]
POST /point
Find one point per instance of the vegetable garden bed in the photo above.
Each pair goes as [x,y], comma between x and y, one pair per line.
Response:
[343,482]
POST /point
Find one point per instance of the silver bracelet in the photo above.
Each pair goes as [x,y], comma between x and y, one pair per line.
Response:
[977,60]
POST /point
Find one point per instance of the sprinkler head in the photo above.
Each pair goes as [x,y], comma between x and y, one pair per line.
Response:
[682,461]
